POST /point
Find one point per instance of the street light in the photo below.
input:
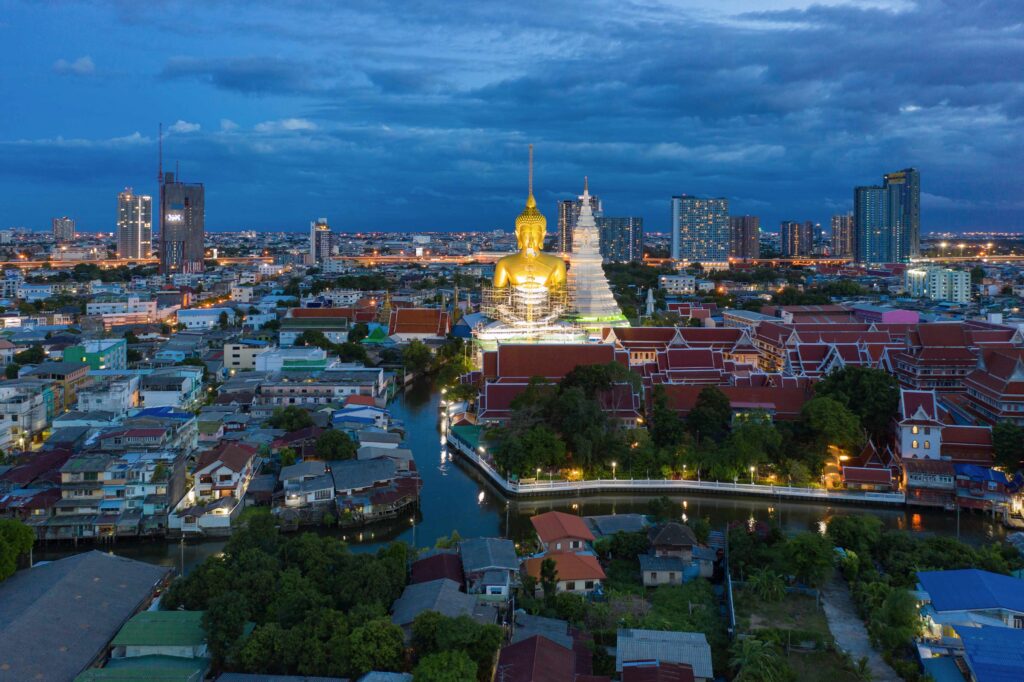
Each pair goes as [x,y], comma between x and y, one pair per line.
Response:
[538,474]
[751,475]
[613,470]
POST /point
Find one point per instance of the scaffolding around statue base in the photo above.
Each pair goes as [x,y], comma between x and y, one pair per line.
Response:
[527,313]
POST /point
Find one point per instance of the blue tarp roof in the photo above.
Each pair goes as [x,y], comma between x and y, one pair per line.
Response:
[971,589]
[164,412]
[994,654]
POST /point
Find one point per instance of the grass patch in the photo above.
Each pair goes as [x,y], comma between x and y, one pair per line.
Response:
[821,666]
[794,612]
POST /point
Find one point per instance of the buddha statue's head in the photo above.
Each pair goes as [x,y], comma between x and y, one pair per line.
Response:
[531,226]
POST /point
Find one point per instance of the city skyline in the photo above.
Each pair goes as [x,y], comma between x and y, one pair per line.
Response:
[734,101]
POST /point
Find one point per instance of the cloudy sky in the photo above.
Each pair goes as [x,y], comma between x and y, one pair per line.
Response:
[416,115]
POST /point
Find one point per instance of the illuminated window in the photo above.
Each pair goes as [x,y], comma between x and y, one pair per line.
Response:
[913,444]
[914,430]
[927,445]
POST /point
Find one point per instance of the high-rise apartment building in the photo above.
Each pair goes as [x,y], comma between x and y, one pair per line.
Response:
[182,226]
[621,239]
[842,235]
[938,284]
[700,229]
[63,230]
[745,236]
[568,214]
[796,239]
[134,225]
[887,219]
[319,240]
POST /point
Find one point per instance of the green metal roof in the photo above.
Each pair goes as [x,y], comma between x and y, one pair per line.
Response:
[469,433]
[149,668]
[162,628]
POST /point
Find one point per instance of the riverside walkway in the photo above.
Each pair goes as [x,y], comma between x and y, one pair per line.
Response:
[636,485]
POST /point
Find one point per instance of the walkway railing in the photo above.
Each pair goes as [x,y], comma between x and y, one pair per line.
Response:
[554,487]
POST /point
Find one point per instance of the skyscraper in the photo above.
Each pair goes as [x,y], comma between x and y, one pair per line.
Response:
[700,229]
[568,213]
[842,235]
[796,238]
[319,240]
[182,226]
[745,236]
[622,239]
[134,225]
[63,230]
[887,219]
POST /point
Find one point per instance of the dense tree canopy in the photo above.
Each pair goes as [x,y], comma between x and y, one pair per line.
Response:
[871,394]
[290,418]
[334,444]
[15,541]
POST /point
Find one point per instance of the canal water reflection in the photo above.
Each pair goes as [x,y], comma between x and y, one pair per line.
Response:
[456,496]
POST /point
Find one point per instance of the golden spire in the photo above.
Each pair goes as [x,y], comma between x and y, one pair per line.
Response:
[531,217]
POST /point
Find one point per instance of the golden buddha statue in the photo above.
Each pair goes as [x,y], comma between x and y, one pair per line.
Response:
[531,267]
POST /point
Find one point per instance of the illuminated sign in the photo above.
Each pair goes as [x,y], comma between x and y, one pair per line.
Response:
[174,218]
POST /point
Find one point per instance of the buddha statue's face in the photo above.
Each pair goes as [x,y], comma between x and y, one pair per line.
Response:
[530,236]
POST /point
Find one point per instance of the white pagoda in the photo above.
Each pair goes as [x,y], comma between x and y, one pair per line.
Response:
[593,303]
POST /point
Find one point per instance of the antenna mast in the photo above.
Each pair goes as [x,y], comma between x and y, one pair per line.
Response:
[531,170]
[160,156]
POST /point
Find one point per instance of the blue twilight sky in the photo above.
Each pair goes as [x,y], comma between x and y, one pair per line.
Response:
[416,115]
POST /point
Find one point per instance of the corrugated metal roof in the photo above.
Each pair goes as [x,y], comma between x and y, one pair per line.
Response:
[656,645]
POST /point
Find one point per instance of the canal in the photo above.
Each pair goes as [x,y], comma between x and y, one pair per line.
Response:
[457,497]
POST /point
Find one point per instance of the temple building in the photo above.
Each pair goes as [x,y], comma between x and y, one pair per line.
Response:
[593,304]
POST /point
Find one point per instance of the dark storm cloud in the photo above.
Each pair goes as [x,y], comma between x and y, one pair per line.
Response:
[417,114]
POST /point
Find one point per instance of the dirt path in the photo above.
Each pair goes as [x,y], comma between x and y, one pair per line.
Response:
[849,632]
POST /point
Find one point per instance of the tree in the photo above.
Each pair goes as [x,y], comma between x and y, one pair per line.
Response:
[872,394]
[829,422]
[860,533]
[291,418]
[767,585]
[710,415]
[334,444]
[287,456]
[549,578]
[32,356]
[758,661]
[1008,444]
[977,274]
[417,356]
[810,557]
[666,427]
[377,645]
[15,540]
[223,320]
[358,332]
[224,622]
[445,666]
[11,370]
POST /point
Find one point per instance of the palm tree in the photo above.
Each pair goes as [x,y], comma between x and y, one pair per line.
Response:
[767,585]
[758,661]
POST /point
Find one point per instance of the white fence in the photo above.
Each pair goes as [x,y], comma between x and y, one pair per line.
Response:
[628,485]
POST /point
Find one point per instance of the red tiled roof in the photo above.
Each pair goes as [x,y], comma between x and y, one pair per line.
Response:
[432,321]
[785,401]
[234,456]
[360,400]
[657,672]
[438,566]
[552,361]
[569,566]
[555,525]
[912,401]
[536,659]
[37,466]
[867,475]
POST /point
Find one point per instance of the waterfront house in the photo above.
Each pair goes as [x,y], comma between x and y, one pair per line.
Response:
[979,487]
[437,566]
[577,573]
[930,483]
[969,598]
[224,471]
[665,570]
[673,540]
[57,619]
[993,653]
[561,532]
[490,565]
[656,646]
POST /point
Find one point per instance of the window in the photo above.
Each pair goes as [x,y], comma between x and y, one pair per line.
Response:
[590,585]
[671,577]
[570,586]
[927,430]
[1018,622]
[558,545]
[913,443]
[654,576]
[913,430]
[927,445]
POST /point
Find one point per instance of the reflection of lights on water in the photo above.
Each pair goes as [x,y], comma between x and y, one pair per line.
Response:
[822,527]
[915,522]
[771,511]
[750,524]
[685,504]
[683,517]
[360,537]
[480,497]
[575,507]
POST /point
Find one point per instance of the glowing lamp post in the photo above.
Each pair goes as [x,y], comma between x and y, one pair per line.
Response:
[613,470]
[751,475]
